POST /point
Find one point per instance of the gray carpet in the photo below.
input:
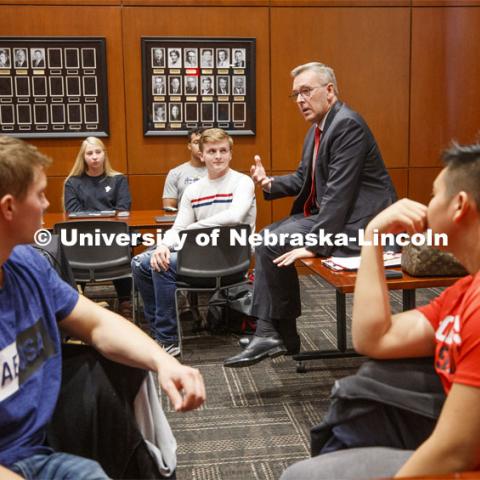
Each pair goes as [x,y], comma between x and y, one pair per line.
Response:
[256,420]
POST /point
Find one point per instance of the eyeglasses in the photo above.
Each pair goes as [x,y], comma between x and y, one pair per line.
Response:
[305,92]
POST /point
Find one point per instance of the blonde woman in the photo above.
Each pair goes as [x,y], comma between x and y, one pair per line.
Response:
[93,184]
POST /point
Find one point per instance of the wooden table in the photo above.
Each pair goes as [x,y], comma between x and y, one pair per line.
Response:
[344,282]
[137,219]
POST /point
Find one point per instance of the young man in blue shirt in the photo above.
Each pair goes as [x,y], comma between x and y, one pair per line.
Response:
[33,300]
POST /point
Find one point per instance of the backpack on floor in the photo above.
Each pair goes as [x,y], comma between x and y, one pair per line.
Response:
[230,311]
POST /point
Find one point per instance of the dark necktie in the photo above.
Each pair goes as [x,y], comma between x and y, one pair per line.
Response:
[310,202]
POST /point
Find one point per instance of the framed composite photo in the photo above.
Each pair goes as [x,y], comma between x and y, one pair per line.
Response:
[53,87]
[191,82]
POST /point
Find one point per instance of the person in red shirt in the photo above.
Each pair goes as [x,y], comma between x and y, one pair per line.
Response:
[448,328]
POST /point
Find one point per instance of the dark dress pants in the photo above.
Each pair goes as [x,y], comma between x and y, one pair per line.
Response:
[276,294]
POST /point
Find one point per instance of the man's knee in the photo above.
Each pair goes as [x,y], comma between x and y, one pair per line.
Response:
[141,262]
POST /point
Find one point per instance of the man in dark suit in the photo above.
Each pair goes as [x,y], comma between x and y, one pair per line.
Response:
[222,86]
[21,58]
[349,185]
[191,87]
[238,60]
[38,60]
[175,86]
[207,86]
[159,86]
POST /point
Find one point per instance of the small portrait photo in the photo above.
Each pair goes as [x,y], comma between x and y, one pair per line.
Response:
[223,85]
[21,57]
[37,56]
[159,112]
[207,85]
[174,85]
[158,85]
[191,85]
[175,112]
[5,60]
[158,57]
[206,57]
[239,85]
[239,57]
[174,58]
[191,58]
[223,58]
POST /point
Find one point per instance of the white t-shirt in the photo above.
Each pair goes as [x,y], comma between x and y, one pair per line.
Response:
[179,178]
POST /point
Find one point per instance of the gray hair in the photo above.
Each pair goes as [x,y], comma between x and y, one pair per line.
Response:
[325,71]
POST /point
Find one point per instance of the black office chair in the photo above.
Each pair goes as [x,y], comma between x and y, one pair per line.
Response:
[211,268]
[105,261]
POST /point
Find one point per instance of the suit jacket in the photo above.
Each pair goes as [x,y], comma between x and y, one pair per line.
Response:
[351,181]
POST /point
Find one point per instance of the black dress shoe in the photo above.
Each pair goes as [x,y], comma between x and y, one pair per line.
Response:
[293,345]
[258,349]
[244,342]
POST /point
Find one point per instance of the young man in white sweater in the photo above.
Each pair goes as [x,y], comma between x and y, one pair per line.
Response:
[223,197]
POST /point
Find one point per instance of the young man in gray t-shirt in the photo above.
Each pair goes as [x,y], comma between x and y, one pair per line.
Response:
[179,178]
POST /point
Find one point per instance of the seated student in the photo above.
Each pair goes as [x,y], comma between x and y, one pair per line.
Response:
[179,178]
[93,185]
[223,197]
[34,301]
[448,328]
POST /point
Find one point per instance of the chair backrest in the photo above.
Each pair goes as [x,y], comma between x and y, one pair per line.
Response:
[228,258]
[92,250]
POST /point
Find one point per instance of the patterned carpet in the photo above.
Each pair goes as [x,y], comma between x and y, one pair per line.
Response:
[256,420]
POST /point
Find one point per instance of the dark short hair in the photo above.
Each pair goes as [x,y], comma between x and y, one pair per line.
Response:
[195,131]
[463,169]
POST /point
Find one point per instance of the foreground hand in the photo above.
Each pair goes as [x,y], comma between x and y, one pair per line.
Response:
[258,174]
[160,259]
[290,257]
[183,385]
[404,215]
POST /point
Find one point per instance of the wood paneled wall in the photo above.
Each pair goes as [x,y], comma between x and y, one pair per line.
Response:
[410,67]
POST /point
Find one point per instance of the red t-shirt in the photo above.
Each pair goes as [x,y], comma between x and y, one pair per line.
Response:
[455,317]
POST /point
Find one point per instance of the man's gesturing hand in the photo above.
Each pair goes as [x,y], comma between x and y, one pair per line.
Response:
[259,175]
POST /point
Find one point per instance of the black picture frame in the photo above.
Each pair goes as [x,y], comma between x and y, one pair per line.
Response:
[214,63]
[58,87]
